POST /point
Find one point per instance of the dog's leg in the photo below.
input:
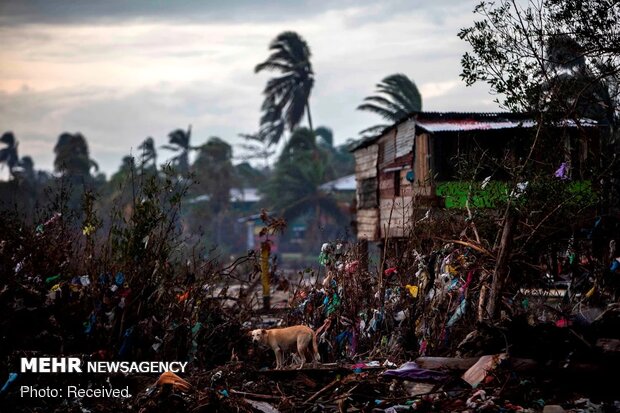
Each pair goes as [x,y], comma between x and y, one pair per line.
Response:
[279,357]
[295,357]
[301,350]
[314,357]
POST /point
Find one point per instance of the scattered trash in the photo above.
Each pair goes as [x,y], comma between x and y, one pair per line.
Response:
[262,406]
[485,365]
[9,381]
[367,322]
[171,379]
[411,371]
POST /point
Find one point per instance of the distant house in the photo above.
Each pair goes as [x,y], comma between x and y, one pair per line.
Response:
[411,163]
[239,197]
[345,184]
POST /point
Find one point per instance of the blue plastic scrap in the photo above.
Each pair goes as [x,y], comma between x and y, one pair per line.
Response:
[9,381]
[119,279]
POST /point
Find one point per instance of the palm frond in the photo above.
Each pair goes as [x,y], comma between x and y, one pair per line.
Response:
[396,97]
[401,89]
[374,130]
[383,112]
[273,65]
[296,108]
[397,111]
[278,86]
[8,138]
[171,148]
[326,135]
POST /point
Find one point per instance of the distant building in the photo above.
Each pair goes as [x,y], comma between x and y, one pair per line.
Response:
[237,196]
[345,184]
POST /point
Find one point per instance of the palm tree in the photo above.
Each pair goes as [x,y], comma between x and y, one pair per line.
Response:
[302,142]
[72,155]
[342,161]
[397,96]
[149,153]
[26,166]
[257,147]
[248,176]
[8,154]
[215,172]
[286,96]
[295,190]
[180,142]
[326,135]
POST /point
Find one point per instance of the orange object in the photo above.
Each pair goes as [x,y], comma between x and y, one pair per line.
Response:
[177,383]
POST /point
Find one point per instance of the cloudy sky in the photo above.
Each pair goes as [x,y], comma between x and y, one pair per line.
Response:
[119,71]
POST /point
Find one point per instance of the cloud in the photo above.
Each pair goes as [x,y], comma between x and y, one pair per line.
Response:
[115,124]
[19,12]
[119,73]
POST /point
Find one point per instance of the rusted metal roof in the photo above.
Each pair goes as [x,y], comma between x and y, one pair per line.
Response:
[434,117]
[468,121]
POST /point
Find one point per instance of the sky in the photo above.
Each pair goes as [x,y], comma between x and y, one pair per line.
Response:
[119,71]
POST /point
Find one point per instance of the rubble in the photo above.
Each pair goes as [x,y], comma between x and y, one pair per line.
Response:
[411,337]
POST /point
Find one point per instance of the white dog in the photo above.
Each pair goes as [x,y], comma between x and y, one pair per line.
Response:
[283,339]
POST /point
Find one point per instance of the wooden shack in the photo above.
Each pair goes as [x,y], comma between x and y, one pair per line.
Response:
[412,164]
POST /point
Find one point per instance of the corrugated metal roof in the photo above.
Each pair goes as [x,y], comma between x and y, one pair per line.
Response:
[468,121]
[462,125]
[429,116]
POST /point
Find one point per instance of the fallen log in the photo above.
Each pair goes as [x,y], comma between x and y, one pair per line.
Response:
[519,365]
[446,363]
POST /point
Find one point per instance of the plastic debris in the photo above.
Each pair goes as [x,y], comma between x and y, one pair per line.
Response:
[479,371]
[412,371]
[49,280]
[562,171]
[413,290]
[262,406]
[9,381]
[169,378]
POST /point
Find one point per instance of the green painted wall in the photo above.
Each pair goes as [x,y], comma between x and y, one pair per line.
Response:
[495,193]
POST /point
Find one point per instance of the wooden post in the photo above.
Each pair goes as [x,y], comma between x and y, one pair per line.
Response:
[501,266]
[265,250]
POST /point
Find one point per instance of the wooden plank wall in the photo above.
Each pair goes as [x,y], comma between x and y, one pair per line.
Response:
[368,224]
[395,216]
[421,166]
[405,136]
[395,210]
[386,179]
[366,168]
[366,162]
[395,149]
[387,148]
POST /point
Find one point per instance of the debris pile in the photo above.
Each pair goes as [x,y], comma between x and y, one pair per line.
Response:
[411,334]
